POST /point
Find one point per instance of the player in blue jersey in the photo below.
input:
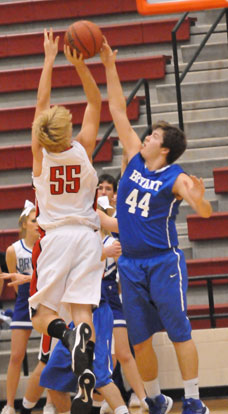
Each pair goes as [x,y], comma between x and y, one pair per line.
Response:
[152,268]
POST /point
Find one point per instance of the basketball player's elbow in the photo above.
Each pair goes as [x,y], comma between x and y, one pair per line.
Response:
[117,107]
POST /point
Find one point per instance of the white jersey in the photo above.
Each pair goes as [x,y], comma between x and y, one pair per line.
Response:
[24,257]
[66,188]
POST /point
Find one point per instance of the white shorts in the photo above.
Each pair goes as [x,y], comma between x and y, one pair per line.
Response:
[69,268]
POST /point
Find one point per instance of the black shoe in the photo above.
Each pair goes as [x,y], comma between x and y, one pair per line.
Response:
[83,400]
[76,340]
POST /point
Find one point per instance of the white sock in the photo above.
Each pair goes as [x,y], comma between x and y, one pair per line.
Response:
[191,388]
[122,409]
[28,404]
[152,388]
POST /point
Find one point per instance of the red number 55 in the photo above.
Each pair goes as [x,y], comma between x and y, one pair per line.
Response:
[65,179]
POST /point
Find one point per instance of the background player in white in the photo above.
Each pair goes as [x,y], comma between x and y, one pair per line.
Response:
[19,260]
[152,269]
[68,266]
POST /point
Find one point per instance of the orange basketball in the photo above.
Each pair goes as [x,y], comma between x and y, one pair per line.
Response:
[84,36]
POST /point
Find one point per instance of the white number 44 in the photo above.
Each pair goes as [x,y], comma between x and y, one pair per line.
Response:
[132,201]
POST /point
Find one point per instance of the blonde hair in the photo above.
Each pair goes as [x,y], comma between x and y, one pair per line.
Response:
[53,128]
[23,219]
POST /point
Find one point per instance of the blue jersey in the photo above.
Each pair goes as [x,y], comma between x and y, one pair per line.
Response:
[147,208]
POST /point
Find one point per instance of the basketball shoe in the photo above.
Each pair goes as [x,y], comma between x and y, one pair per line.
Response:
[160,404]
[75,340]
[8,410]
[192,406]
[82,402]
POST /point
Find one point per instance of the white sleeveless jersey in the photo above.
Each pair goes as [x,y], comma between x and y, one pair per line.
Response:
[66,189]
[24,257]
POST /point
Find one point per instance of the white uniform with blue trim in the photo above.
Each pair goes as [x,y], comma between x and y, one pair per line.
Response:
[152,269]
[21,318]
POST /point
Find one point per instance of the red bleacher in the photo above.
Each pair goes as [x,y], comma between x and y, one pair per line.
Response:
[40,10]
[23,116]
[199,310]
[19,157]
[221,180]
[136,33]
[215,227]
[14,196]
[129,69]
[7,237]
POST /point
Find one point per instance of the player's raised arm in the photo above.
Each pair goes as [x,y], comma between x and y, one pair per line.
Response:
[117,103]
[91,120]
[192,190]
[44,93]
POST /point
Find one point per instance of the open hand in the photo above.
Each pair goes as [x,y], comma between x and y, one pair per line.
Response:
[16,278]
[73,57]
[50,44]
[197,189]
[107,54]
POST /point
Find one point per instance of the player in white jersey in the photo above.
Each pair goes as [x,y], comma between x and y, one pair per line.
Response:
[68,267]
[19,260]
[152,269]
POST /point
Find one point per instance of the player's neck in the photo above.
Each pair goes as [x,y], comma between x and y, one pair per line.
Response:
[29,241]
[155,164]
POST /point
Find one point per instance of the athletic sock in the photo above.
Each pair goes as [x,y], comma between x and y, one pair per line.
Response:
[57,328]
[152,388]
[27,406]
[122,409]
[191,388]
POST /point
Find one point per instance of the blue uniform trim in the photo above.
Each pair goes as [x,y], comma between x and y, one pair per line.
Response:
[27,250]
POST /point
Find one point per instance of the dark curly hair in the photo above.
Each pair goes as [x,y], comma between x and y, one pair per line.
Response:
[173,138]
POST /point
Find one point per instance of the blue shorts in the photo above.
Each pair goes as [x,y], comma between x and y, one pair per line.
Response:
[21,319]
[57,374]
[112,295]
[154,295]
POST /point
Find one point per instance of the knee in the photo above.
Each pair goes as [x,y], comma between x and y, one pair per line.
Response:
[17,356]
[124,356]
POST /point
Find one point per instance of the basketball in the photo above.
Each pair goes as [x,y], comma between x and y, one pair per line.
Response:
[84,36]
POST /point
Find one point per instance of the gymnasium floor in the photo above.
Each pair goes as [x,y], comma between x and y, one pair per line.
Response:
[216,406]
